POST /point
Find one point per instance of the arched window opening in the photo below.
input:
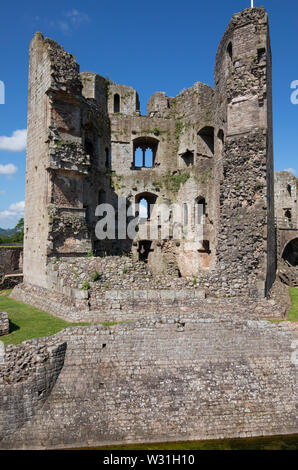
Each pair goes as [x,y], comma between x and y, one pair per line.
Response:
[230,52]
[137,104]
[289,189]
[144,205]
[200,210]
[116,103]
[143,209]
[144,152]
[206,142]
[290,253]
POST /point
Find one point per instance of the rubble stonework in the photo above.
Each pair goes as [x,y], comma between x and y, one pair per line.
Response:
[205,148]
[286,207]
[286,200]
[4,324]
[27,375]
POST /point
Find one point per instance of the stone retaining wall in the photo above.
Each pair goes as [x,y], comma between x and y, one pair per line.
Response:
[27,376]
[164,379]
[121,305]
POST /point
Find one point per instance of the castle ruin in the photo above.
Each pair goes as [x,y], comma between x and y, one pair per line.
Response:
[176,365]
[207,151]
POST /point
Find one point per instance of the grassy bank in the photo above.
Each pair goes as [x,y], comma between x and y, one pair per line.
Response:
[27,322]
[293,313]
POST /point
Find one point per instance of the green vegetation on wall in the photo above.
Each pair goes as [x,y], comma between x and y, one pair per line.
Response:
[174,181]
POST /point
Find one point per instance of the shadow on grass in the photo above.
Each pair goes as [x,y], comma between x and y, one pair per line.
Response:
[13,326]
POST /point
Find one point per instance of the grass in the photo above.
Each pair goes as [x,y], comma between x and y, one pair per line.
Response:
[253,443]
[293,313]
[27,322]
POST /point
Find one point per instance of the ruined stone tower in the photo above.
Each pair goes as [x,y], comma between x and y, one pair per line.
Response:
[209,152]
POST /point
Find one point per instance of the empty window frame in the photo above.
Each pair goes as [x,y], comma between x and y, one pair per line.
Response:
[144,152]
[116,103]
[144,205]
[230,52]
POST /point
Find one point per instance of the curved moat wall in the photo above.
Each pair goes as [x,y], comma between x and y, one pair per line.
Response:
[164,379]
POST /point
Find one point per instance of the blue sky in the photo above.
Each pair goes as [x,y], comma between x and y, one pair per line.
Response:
[151,46]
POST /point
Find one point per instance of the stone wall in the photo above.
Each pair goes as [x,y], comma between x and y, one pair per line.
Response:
[286,203]
[4,324]
[244,223]
[121,288]
[179,378]
[27,376]
[11,260]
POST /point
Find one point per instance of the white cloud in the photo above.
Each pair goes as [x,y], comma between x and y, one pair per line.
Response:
[15,210]
[77,17]
[8,169]
[70,20]
[143,209]
[17,206]
[291,170]
[16,142]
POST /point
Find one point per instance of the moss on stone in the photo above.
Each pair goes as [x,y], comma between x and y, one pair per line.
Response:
[174,181]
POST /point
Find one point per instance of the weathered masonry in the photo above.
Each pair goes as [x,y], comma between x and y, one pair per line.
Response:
[286,206]
[157,380]
[209,151]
